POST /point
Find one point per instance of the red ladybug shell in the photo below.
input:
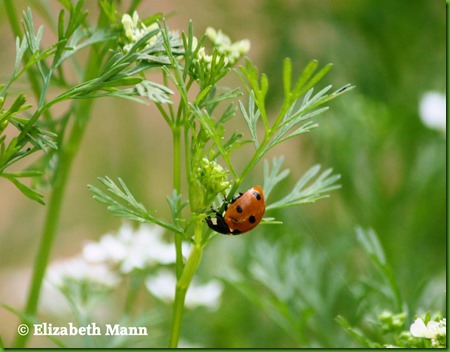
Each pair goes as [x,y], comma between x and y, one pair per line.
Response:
[242,215]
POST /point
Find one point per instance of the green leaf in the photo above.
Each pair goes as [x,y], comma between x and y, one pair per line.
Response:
[228,114]
[123,81]
[33,40]
[357,334]
[202,95]
[287,77]
[234,142]
[308,190]
[251,118]
[250,72]
[75,44]
[76,19]
[372,245]
[61,18]
[27,191]
[154,92]
[273,177]
[175,205]
[213,100]
[21,47]
[126,206]
[17,106]
[306,80]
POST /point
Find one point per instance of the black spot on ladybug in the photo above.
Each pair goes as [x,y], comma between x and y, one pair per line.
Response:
[239,209]
[252,219]
[257,195]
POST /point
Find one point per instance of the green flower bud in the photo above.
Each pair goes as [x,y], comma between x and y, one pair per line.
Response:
[212,177]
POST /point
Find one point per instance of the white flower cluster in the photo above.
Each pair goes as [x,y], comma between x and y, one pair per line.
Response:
[131,249]
[79,270]
[106,262]
[135,30]
[231,52]
[207,295]
[434,330]
[223,44]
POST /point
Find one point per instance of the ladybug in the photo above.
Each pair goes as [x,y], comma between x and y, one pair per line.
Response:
[241,215]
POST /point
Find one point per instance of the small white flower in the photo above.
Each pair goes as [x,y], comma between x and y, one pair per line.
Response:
[242,46]
[162,285]
[53,300]
[221,40]
[419,329]
[231,52]
[430,331]
[78,269]
[130,249]
[108,249]
[432,110]
[207,295]
[442,330]
[127,22]
[135,30]
[130,25]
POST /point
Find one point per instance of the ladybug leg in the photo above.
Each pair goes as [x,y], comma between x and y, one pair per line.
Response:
[235,198]
[215,212]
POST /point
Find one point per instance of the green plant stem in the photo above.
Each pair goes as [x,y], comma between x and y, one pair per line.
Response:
[178,307]
[183,282]
[176,135]
[66,155]
[180,293]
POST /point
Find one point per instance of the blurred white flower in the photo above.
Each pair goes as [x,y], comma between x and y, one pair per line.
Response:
[135,30]
[207,295]
[222,42]
[53,301]
[231,52]
[432,330]
[162,286]
[79,270]
[432,110]
[132,249]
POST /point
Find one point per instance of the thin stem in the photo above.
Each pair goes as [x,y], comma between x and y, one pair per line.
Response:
[180,293]
[251,164]
[176,135]
[66,157]
[183,283]
[178,307]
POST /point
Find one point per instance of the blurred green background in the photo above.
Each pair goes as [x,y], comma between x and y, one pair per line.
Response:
[393,169]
